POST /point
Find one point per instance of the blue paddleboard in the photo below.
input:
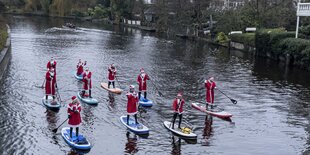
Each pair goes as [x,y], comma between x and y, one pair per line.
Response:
[145,102]
[136,128]
[88,100]
[79,142]
[49,104]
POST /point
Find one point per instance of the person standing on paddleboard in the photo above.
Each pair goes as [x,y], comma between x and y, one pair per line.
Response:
[111,76]
[50,84]
[80,67]
[74,110]
[132,103]
[51,64]
[210,86]
[177,107]
[142,82]
[87,82]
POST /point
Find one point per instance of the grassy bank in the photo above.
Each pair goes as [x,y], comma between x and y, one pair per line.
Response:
[245,38]
[3,35]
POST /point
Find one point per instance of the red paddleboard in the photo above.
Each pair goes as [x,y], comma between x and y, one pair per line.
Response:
[220,114]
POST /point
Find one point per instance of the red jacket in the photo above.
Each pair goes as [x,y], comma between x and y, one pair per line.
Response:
[132,103]
[142,82]
[50,65]
[50,83]
[112,73]
[178,107]
[80,68]
[74,112]
[87,80]
[210,91]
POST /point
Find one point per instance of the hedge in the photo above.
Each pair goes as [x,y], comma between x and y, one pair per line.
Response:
[3,35]
[245,38]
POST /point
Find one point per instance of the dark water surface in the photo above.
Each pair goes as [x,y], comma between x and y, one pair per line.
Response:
[271,117]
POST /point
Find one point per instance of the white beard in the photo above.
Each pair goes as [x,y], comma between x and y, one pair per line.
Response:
[52,73]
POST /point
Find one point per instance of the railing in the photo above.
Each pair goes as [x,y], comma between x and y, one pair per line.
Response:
[303,9]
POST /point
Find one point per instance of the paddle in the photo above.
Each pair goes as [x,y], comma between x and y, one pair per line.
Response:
[55,130]
[58,95]
[160,94]
[118,82]
[232,100]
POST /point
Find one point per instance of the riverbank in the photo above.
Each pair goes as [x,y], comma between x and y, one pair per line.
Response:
[5,46]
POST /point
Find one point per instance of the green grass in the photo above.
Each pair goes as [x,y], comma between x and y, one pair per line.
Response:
[245,38]
[3,35]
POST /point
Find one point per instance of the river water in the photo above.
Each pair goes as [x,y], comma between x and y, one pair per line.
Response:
[271,117]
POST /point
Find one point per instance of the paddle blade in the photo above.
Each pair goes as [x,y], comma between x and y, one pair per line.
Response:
[233,101]
[55,130]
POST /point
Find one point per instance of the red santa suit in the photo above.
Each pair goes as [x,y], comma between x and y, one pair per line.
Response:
[80,68]
[132,107]
[74,110]
[51,64]
[177,105]
[210,91]
[87,80]
[142,81]
[50,81]
[112,73]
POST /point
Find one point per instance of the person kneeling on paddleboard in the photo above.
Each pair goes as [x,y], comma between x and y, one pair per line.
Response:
[142,82]
[50,84]
[177,106]
[132,103]
[111,76]
[210,86]
[87,82]
[80,67]
[74,109]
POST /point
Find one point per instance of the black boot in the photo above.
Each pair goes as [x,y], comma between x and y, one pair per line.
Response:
[46,97]
[90,93]
[139,95]
[127,119]
[180,120]
[109,83]
[83,93]
[145,95]
[71,132]
[77,132]
[136,119]
[173,119]
[113,83]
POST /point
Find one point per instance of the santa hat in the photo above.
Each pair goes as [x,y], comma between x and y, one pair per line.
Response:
[179,94]
[86,69]
[131,87]
[211,78]
[142,70]
[73,98]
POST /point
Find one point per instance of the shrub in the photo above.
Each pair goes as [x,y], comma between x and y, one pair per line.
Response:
[246,38]
[221,38]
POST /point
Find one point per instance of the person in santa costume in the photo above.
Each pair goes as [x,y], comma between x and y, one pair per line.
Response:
[111,76]
[51,64]
[87,82]
[142,82]
[210,86]
[50,84]
[132,103]
[74,110]
[177,107]
[80,67]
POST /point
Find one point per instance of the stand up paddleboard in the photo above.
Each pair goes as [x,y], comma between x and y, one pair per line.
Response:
[79,142]
[112,90]
[145,102]
[78,77]
[136,128]
[179,132]
[50,104]
[87,100]
[220,114]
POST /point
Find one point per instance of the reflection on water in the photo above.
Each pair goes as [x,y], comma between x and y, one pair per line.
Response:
[176,145]
[131,145]
[272,110]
